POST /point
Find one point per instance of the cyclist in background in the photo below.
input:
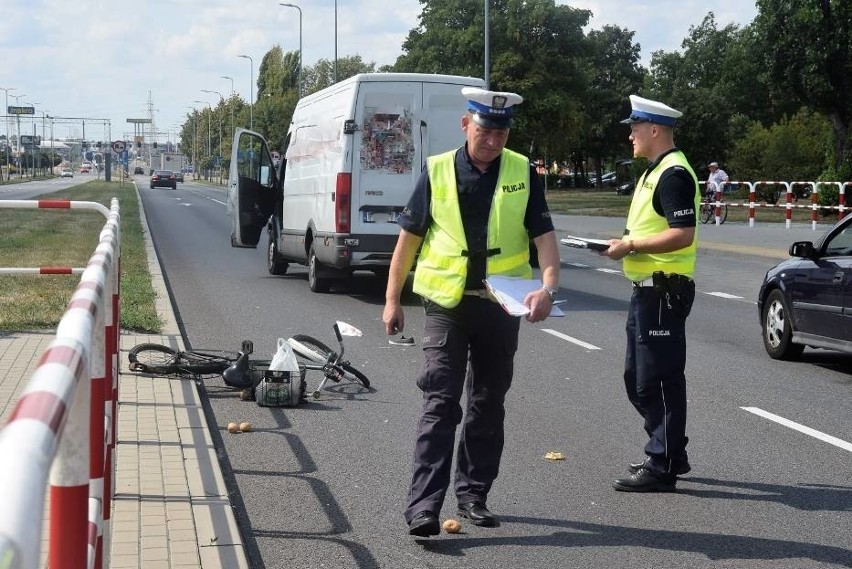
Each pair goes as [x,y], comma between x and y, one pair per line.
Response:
[716,180]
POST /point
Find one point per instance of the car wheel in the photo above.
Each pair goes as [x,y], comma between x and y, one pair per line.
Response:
[152,186]
[315,282]
[778,329]
[273,264]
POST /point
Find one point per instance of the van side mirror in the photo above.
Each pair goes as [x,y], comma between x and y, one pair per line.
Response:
[349,127]
[803,249]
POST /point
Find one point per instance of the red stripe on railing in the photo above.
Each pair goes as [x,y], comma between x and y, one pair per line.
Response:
[85,304]
[55,270]
[64,355]
[42,406]
[54,204]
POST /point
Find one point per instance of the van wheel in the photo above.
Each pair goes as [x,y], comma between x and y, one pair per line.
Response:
[317,283]
[274,265]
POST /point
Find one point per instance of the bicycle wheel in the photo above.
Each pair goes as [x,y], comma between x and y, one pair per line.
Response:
[705,213]
[354,375]
[723,215]
[311,349]
[153,358]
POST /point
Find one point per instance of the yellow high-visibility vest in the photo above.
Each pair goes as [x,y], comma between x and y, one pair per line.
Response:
[643,221]
[443,262]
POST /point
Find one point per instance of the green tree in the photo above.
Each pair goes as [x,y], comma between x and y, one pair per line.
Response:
[711,81]
[615,72]
[537,49]
[808,50]
[793,149]
[321,75]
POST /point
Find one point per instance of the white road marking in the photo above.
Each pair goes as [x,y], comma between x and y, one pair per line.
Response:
[610,271]
[567,338]
[578,265]
[723,295]
[801,428]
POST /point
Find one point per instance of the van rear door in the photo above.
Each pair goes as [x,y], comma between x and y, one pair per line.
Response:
[400,124]
[253,188]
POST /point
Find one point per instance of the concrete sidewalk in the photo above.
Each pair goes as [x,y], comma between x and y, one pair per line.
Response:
[171,507]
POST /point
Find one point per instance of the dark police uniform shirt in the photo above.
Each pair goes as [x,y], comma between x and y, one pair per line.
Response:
[476,190]
[675,192]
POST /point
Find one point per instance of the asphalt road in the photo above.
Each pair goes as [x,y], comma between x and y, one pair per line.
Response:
[324,484]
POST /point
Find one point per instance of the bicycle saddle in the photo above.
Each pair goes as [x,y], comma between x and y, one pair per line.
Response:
[237,374]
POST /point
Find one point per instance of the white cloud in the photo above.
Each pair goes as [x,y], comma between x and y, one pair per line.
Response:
[100,59]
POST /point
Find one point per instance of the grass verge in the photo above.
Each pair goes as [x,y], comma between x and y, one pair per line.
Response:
[40,238]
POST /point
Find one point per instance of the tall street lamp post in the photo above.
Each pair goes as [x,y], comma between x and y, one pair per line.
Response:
[300,44]
[8,144]
[251,92]
[231,104]
[209,152]
[18,128]
[194,143]
[33,149]
[221,147]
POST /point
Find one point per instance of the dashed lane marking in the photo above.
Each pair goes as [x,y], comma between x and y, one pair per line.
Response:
[723,295]
[568,338]
[840,443]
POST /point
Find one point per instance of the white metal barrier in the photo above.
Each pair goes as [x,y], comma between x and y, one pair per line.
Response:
[62,428]
[752,204]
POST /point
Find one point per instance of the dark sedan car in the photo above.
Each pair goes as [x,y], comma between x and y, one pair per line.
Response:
[807,300]
[163,179]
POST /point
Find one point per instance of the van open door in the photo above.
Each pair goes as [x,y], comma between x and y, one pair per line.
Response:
[253,188]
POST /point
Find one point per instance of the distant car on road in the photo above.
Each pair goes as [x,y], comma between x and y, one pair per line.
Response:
[139,170]
[163,179]
[66,173]
[179,177]
[805,300]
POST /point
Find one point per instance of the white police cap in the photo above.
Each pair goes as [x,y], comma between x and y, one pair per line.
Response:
[491,109]
[646,110]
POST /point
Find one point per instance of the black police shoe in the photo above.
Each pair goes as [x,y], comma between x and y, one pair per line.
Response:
[478,514]
[424,524]
[679,467]
[646,480]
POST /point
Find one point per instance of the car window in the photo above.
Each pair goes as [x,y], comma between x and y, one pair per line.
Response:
[840,245]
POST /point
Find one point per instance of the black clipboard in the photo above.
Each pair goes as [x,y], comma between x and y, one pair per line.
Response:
[585,243]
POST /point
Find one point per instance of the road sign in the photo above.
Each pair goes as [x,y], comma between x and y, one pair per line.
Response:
[20,110]
[118,146]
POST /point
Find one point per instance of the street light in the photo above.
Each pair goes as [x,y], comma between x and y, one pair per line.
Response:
[222,101]
[209,152]
[18,123]
[194,143]
[232,83]
[300,44]
[33,153]
[8,145]
[251,92]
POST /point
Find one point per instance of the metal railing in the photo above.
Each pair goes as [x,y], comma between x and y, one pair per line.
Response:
[61,430]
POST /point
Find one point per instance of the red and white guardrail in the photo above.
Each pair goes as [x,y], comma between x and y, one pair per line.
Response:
[62,428]
[788,205]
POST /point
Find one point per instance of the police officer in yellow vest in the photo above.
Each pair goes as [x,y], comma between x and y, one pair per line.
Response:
[658,249]
[474,210]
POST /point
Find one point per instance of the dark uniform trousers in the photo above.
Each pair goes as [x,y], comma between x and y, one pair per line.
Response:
[479,332]
[654,368]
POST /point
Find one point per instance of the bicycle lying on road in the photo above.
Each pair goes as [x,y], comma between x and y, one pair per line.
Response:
[707,210]
[252,376]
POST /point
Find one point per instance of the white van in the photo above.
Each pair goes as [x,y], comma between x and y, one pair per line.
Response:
[353,154]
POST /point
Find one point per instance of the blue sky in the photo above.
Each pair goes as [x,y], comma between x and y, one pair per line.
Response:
[105,60]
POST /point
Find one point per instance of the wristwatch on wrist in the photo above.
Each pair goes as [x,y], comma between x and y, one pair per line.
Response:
[551,292]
